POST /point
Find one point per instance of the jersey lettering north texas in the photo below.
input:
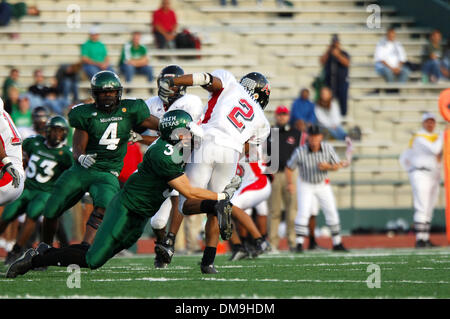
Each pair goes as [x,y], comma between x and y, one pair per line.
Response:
[232,116]
[108,132]
[45,164]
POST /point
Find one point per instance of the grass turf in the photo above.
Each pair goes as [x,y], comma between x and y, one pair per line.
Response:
[405,273]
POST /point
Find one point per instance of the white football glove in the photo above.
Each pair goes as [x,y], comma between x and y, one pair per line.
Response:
[232,187]
[87,160]
[135,137]
[164,91]
[195,129]
[9,168]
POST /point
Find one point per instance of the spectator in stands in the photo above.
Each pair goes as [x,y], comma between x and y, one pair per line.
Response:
[302,112]
[11,80]
[22,115]
[16,11]
[134,59]
[41,94]
[289,139]
[433,67]
[94,55]
[164,26]
[67,78]
[234,2]
[390,58]
[336,63]
[446,60]
[12,99]
[328,114]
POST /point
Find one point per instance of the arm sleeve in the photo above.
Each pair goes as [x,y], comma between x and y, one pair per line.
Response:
[261,133]
[167,169]
[294,160]
[76,120]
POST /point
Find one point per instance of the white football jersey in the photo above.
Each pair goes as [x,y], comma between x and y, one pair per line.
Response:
[233,117]
[192,104]
[250,172]
[10,138]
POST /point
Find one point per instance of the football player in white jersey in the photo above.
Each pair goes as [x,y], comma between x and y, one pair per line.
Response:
[234,117]
[194,106]
[12,175]
[253,193]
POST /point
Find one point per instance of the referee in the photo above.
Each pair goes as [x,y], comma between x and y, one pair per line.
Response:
[314,159]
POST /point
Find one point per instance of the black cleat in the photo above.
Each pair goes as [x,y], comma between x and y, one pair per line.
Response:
[299,248]
[239,254]
[159,263]
[22,265]
[421,244]
[208,269]
[223,210]
[262,246]
[165,250]
[429,244]
[340,248]
[42,248]
[13,256]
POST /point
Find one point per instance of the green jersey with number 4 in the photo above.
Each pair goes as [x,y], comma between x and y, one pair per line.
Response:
[45,164]
[145,190]
[108,132]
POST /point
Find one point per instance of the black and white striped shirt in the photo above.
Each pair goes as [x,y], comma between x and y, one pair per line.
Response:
[308,162]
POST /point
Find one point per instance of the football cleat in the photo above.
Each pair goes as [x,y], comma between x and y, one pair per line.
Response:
[208,269]
[42,248]
[299,248]
[12,256]
[223,209]
[22,265]
[165,250]
[239,254]
[429,244]
[340,248]
[262,246]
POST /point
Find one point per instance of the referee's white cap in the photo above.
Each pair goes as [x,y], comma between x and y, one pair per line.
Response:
[427,116]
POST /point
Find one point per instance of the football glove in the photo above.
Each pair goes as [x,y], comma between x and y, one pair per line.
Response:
[135,137]
[195,129]
[164,91]
[232,187]
[11,170]
[87,160]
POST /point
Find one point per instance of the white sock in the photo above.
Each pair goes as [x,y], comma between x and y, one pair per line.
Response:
[420,236]
[426,236]
[300,240]
[336,240]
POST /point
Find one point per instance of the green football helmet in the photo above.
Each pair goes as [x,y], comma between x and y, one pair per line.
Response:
[56,122]
[172,124]
[102,82]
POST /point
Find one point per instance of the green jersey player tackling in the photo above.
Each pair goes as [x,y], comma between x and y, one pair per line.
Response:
[102,130]
[126,215]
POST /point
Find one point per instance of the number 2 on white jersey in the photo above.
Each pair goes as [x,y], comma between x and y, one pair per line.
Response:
[246,112]
[109,138]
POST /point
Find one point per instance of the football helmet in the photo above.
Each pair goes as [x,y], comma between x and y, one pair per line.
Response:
[103,82]
[257,86]
[171,125]
[56,122]
[172,71]
[40,116]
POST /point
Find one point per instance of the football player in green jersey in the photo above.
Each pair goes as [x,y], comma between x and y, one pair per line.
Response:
[126,215]
[102,131]
[47,158]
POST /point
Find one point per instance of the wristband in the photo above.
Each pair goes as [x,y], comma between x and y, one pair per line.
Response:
[6,160]
[221,196]
[201,79]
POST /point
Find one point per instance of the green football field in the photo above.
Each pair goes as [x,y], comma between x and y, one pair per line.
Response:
[402,273]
